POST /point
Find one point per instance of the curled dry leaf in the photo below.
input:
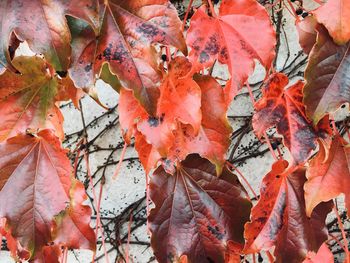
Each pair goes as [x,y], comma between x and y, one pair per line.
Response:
[327,76]
[328,174]
[241,33]
[43,25]
[284,109]
[335,16]
[279,218]
[34,186]
[196,213]
[126,32]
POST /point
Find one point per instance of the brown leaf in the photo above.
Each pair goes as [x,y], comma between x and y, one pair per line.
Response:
[327,77]
[43,25]
[196,213]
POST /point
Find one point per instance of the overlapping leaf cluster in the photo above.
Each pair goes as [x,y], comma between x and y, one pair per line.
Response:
[175,113]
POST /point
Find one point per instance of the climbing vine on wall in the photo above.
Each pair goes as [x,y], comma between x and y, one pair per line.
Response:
[173,110]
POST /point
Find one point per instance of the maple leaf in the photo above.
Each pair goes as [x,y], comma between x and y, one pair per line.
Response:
[43,25]
[328,174]
[213,138]
[327,82]
[241,33]
[34,186]
[284,109]
[27,100]
[324,255]
[127,30]
[279,218]
[73,224]
[196,213]
[335,16]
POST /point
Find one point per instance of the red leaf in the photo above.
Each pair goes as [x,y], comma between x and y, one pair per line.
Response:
[327,82]
[73,225]
[128,28]
[43,25]
[284,109]
[279,218]
[17,251]
[213,139]
[335,16]
[50,254]
[241,33]
[324,255]
[34,183]
[328,174]
[196,213]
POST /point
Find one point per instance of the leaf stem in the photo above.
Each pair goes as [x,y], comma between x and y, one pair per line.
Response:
[120,162]
[341,227]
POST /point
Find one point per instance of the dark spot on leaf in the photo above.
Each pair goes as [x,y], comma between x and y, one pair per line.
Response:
[212,47]
[216,232]
[153,122]
[62,74]
[149,31]
[224,53]
[203,57]
[88,67]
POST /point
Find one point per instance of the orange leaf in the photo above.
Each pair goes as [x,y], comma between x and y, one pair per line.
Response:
[335,16]
[213,139]
[328,174]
